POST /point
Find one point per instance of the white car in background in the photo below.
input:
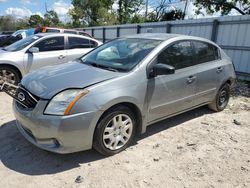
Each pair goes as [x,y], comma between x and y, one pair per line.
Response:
[41,50]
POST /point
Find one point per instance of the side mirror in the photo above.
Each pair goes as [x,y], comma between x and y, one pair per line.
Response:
[161,69]
[34,50]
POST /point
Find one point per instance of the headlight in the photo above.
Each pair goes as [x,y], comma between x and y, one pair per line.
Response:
[62,103]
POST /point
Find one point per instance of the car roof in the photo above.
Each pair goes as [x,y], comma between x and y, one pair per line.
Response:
[61,34]
[167,36]
[156,36]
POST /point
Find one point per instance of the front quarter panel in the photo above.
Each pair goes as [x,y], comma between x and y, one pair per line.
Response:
[129,88]
[13,59]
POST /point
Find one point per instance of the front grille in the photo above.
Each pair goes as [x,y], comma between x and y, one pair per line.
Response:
[27,99]
[21,95]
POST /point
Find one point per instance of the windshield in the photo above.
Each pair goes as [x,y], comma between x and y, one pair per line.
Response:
[121,54]
[21,44]
[18,32]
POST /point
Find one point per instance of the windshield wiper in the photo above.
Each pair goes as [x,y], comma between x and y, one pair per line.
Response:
[99,66]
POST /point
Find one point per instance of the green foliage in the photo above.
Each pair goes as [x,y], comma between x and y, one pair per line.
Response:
[35,20]
[164,12]
[51,19]
[22,23]
[127,10]
[225,6]
[91,12]
[7,23]
[173,15]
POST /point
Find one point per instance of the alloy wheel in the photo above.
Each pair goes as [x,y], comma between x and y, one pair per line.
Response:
[7,76]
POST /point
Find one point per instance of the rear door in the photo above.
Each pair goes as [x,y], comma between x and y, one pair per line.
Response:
[170,94]
[209,71]
[78,46]
[51,52]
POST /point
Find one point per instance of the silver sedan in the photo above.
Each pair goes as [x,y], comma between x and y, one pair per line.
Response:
[104,98]
[41,50]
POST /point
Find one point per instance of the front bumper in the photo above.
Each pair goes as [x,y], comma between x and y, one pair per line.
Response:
[59,134]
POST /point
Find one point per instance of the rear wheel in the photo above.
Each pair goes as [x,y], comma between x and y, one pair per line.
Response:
[115,131]
[222,99]
[10,75]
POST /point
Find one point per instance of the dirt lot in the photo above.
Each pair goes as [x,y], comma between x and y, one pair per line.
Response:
[196,149]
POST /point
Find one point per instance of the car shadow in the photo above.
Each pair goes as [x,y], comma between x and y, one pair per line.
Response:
[19,155]
[174,121]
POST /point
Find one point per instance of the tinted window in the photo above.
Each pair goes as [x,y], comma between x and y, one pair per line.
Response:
[205,52]
[52,31]
[75,42]
[93,44]
[51,44]
[84,34]
[178,55]
[72,32]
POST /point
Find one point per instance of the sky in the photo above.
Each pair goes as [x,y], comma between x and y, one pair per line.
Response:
[25,8]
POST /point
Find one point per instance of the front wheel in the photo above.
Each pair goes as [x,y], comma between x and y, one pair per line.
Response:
[222,99]
[115,131]
[10,75]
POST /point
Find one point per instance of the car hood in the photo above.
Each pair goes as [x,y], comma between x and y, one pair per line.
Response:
[48,81]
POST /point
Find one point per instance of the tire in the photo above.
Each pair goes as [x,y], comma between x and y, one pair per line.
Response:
[10,75]
[221,100]
[110,137]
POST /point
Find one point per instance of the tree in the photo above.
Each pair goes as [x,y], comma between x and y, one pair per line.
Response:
[7,23]
[22,23]
[51,18]
[173,15]
[35,20]
[225,6]
[127,10]
[158,11]
[92,12]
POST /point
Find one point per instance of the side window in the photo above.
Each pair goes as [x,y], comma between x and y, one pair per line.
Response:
[205,52]
[84,34]
[52,31]
[93,44]
[51,44]
[71,32]
[75,42]
[178,55]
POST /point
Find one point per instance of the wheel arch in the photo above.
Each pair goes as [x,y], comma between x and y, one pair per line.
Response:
[13,67]
[133,107]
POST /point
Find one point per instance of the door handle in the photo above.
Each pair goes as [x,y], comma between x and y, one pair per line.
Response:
[61,56]
[219,70]
[191,79]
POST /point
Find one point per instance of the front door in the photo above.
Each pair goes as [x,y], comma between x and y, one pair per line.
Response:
[51,52]
[170,94]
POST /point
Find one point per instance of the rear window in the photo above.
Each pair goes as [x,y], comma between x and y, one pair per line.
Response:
[72,32]
[84,34]
[205,52]
[75,42]
[52,31]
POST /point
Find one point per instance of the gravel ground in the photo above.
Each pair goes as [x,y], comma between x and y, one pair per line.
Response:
[196,149]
